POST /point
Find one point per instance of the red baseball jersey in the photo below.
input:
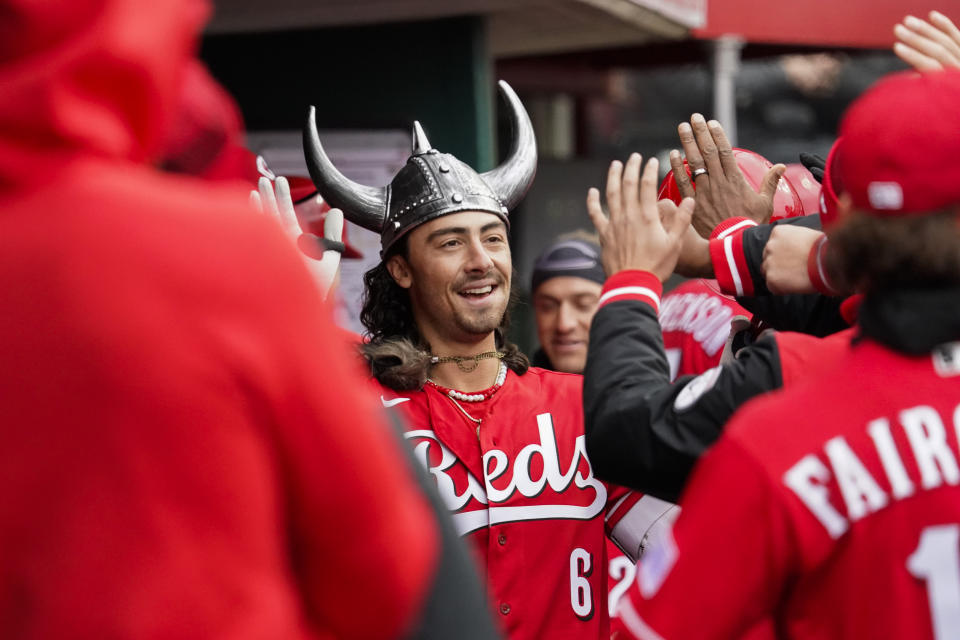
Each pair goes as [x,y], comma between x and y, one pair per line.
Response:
[520,488]
[846,522]
[695,318]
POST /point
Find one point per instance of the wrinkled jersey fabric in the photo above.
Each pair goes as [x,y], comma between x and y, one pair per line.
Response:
[177,460]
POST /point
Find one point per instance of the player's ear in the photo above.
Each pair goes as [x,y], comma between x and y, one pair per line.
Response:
[399,270]
[844,206]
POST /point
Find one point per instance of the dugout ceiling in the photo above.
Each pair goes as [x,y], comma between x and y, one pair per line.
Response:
[514,27]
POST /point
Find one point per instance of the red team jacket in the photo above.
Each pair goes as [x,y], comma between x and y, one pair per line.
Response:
[847,517]
[521,489]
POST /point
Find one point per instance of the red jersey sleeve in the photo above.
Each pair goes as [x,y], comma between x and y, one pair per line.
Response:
[724,557]
[729,262]
[632,519]
[632,284]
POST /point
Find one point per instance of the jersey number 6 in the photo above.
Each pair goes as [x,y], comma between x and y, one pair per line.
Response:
[581,596]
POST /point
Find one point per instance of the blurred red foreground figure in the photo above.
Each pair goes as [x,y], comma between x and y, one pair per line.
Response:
[173,450]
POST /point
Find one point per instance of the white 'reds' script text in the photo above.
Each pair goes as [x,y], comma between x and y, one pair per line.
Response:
[503,478]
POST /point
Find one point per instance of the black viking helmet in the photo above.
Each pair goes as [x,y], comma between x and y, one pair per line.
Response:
[430,185]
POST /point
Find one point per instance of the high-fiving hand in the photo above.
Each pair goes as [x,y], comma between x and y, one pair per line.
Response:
[928,46]
[640,232]
[722,191]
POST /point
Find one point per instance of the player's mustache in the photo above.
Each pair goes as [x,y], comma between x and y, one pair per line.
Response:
[491,276]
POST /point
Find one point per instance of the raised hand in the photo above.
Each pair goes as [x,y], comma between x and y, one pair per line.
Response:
[928,46]
[640,233]
[273,198]
[722,191]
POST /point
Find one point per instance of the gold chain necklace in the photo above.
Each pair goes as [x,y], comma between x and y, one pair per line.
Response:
[453,395]
[476,421]
[467,363]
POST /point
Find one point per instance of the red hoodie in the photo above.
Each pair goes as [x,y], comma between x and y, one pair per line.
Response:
[177,461]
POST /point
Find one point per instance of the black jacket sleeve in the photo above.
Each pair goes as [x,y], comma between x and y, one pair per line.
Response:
[813,314]
[644,432]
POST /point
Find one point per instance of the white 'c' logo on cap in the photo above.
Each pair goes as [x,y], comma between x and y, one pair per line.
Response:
[885,195]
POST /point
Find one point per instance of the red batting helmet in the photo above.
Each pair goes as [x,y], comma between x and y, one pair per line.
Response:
[806,185]
[786,201]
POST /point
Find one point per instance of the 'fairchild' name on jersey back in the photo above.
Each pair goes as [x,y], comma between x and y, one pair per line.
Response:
[860,493]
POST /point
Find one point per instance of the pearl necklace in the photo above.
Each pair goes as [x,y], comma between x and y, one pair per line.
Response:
[473,397]
[454,395]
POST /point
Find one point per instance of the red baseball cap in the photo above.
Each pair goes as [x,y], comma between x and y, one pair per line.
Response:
[786,200]
[901,145]
[831,188]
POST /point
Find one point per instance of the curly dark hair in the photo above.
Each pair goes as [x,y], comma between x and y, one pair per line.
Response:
[386,312]
[868,253]
[398,355]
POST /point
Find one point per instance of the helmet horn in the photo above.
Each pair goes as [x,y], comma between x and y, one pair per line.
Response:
[511,179]
[420,143]
[362,205]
